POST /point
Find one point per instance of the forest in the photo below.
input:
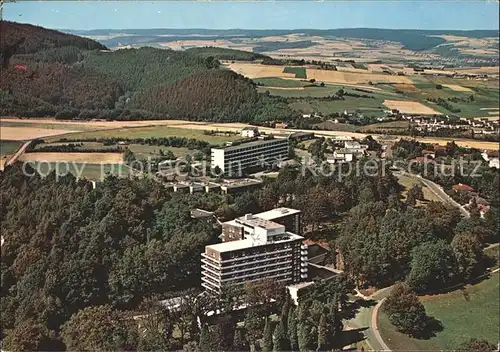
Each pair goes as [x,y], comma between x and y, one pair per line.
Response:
[76,256]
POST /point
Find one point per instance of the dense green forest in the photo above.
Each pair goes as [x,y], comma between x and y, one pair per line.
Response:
[71,251]
[33,38]
[226,54]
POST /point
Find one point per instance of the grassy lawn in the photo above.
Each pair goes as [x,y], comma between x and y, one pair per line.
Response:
[350,104]
[140,150]
[467,313]
[94,172]
[9,147]
[300,72]
[408,182]
[279,82]
[494,254]
[313,92]
[145,132]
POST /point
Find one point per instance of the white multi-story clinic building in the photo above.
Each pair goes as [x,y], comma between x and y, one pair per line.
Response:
[255,248]
[235,158]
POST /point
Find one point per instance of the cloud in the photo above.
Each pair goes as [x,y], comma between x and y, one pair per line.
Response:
[158,11]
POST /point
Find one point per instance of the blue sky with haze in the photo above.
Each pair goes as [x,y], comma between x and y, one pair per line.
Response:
[257,15]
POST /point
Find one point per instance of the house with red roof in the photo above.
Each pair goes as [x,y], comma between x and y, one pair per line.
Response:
[461,187]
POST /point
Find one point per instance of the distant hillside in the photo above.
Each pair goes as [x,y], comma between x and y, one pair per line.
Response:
[412,39]
[32,38]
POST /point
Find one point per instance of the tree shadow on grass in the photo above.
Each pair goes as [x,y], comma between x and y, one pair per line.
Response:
[352,308]
[349,337]
[433,327]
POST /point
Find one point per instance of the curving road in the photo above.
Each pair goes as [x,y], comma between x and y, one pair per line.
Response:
[366,317]
[438,191]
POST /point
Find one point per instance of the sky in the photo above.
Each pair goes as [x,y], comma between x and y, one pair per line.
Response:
[398,14]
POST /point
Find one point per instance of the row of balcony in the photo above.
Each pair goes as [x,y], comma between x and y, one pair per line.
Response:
[261,262]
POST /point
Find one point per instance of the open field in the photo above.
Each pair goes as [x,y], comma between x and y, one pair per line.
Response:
[410,107]
[195,130]
[392,125]
[470,312]
[151,131]
[140,150]
[259,71]
[43,124]
[353,78]
[274,82]
[91,158]
[480,70]
[8,147]
[299,72]
[94,172]
[252,70]
[457,88]
[75,125]
[26,133]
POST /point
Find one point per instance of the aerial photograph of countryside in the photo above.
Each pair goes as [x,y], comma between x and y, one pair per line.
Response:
[247,176]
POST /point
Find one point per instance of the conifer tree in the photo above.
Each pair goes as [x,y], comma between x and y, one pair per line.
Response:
[267,341]
[292,329]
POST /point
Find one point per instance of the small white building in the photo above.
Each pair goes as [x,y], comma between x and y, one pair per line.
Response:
[355,146]
[250,132]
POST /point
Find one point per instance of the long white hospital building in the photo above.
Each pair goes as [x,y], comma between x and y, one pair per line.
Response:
[233,159]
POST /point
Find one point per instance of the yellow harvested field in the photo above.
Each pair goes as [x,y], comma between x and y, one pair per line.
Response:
[406,87]
[26,133]
[461,142]
[457,88]
[259,71]
[353,78]
[479,70]
[91,158]
[358,77]
[410,107]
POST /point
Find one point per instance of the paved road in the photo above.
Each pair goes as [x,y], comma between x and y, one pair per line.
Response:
[19,152]
[438,191]
[367,318]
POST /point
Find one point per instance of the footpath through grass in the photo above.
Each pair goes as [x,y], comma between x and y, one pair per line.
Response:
[466,313]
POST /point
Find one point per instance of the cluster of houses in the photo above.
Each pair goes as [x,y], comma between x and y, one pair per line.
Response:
[492,158]
[434,123]
[474,200]
[350,151]
[481,125]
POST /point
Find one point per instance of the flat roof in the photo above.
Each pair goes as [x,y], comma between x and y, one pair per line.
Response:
[258,222]
[241,183]
[277,213]
[249,243]
[250,144]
